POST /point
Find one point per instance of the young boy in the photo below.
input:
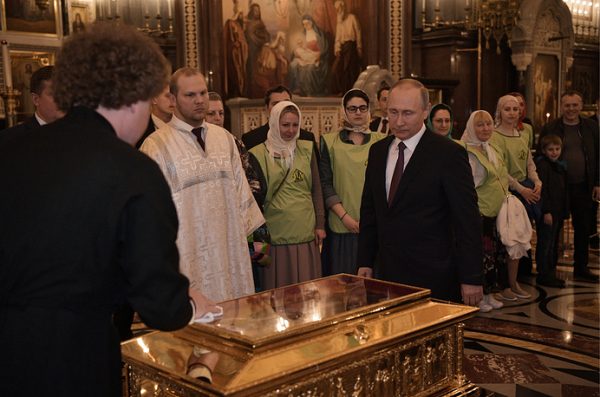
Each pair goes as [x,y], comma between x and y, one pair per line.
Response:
[552,173]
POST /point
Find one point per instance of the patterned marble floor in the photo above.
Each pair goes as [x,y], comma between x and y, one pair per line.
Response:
[548,345]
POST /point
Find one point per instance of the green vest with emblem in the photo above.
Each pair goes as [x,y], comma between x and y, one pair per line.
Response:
[348,164]
[289,212]
[491,193]
[515,151]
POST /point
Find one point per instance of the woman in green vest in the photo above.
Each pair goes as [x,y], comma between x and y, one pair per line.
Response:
[491,183]
[522,176]
[293,202]
[343,163]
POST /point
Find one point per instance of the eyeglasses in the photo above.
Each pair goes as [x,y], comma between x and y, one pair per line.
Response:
[355,109]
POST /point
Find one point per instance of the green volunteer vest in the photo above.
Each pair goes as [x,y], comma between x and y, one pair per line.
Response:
[290,214]
[492,191]
[514,150]
[528,131]
[348,164]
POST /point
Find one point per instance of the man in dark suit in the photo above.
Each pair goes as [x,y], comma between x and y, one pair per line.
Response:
[161,111]
[380,124]
[272,97]
[46,110]
[87,224]
[419,221]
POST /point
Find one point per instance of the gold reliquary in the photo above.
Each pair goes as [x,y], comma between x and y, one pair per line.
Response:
[336,336]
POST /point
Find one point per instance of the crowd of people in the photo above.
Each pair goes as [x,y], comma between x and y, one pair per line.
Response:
[133,197]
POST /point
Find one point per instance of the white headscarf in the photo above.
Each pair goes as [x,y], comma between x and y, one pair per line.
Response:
[276,145]
[470,138]
[501,102]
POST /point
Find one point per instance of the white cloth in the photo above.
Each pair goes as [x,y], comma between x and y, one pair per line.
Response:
[276,145]
[514,227]
[411,144]
[40,120]
[215,207]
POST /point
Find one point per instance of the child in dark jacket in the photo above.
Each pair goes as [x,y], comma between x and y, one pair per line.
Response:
[552,173]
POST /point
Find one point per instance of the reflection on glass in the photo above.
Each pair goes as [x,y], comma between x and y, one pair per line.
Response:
[274,312]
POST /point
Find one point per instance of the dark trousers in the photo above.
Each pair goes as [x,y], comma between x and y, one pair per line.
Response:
[546,252]
[581,216]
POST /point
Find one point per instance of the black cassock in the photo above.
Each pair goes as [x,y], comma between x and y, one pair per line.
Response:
[86,224]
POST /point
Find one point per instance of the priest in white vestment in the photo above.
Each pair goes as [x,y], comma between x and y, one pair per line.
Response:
[214,203]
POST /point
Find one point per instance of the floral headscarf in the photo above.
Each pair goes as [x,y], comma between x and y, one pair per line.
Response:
[470,138]
[356,93]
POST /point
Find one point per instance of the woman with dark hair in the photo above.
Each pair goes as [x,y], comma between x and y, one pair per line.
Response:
[309,69]
[440,120]
[293,202]
[343,163]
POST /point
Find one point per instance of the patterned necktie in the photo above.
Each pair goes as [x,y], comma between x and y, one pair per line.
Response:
[384,129]
[198,133]
[398,170]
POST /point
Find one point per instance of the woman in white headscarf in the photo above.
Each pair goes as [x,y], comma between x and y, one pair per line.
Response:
[491,183]
[293,202]
[342,166]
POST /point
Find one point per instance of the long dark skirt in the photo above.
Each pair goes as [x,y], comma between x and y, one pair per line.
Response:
[340,253]
[494,255]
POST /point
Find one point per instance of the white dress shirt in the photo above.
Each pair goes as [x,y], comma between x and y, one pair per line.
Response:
[411,144]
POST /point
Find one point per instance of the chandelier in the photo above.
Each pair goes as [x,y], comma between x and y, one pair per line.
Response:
[493,18]
[42,4]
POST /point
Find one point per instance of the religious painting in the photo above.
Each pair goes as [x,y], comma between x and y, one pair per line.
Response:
[23,64]
[32,16]
[545,87]
[81,15]
[314,47]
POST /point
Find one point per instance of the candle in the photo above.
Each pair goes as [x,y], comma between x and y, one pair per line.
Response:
[169,7]
[423,5]
[157,7]
[467,4]
[7,68]
[437,5]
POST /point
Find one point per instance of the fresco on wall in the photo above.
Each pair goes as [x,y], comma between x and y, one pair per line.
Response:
[312,46]
[31,16]
[545,85]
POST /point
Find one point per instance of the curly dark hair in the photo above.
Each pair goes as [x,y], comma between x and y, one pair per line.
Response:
[108,65]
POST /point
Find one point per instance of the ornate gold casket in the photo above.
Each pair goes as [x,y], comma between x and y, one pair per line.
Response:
[336,336]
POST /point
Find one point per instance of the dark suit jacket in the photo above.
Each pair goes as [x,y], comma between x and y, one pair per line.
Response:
[150,128]
[375,124]
[430,235]
[87,223]
[29,124]
[258,135]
